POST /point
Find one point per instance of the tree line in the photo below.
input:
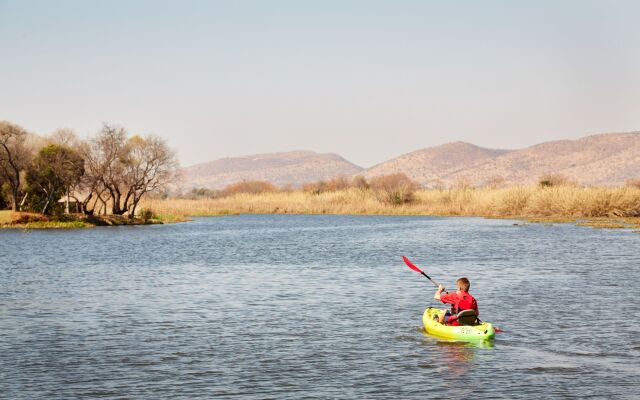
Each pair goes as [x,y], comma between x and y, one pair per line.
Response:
[108,172]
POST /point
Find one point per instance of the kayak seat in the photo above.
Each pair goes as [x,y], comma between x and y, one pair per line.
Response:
[468,317]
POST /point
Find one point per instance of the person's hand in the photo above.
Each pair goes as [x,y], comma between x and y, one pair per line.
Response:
[440,288]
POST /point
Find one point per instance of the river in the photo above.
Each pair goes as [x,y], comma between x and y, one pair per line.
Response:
[282,306]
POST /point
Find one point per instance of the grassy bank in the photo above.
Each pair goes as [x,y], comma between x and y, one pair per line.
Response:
[22,220]
[595,206]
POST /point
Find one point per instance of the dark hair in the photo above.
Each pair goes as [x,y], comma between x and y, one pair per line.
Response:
[463,284]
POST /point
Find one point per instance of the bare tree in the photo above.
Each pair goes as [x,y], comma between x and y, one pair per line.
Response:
[149,165]
[109,153]
[125,169]
[102,177]
[65,137]
[90,186]
[14,158]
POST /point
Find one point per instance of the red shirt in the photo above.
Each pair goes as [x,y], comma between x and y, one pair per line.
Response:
[459,301]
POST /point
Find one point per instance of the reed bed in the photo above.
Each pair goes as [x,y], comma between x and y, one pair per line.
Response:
[568,202]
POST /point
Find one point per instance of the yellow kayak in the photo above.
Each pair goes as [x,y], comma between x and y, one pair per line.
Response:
[484,331]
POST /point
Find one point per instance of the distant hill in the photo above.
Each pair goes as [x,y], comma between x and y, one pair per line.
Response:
[605,159]
[436,163]
[289,168]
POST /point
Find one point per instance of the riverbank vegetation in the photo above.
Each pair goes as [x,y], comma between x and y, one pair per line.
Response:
[552,200]
[27,220]
[114,178]
[61,180]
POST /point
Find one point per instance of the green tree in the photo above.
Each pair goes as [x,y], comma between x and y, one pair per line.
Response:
[53,171]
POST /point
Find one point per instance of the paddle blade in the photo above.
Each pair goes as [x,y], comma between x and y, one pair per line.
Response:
[497,330]
[411,265]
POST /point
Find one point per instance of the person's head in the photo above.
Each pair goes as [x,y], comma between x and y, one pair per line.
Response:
[463,284]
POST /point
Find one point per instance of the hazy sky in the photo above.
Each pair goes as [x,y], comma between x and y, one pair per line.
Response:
[369,80]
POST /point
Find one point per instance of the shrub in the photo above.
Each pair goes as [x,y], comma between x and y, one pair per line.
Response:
[337,183]
[253,187]
[634,183]
[394,189]
[550,180]
[332,185]
[315,187]
[288,188]
[359,182]
[147,214]
[202,193]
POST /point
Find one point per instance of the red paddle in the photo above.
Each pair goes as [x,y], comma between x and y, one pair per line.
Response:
[415,268]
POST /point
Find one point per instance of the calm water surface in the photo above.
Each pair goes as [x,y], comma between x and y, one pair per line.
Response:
[315,307]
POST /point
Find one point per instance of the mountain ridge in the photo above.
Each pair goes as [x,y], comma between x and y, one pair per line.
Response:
[282,168]
[607,159]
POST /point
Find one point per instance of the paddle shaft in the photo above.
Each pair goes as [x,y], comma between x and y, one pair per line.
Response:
[432,281]
[415,268]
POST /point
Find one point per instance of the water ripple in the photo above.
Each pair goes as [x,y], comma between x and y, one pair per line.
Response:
[314,307]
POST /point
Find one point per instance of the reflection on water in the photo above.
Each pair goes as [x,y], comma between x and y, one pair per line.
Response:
[314,306]
[456,355]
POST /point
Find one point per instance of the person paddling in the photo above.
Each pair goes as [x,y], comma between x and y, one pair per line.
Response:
[460,300]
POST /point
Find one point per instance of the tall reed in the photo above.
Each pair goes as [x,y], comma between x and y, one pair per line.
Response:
[515,201]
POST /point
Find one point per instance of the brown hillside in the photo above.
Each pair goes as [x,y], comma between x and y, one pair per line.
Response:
[605,159]
[436,163]
[289,168]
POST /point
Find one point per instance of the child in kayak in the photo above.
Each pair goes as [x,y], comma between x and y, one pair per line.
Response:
[460,300]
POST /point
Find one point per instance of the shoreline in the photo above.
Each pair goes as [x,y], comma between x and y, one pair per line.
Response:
[615,208]
[628,223]
[597,207]
[25,220]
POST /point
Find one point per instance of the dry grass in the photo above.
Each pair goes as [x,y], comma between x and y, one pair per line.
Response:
[604,225]
[597,207]
[23,220]
[566,202]
[6,217]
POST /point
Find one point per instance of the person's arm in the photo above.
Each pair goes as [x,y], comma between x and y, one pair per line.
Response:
[438,292]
